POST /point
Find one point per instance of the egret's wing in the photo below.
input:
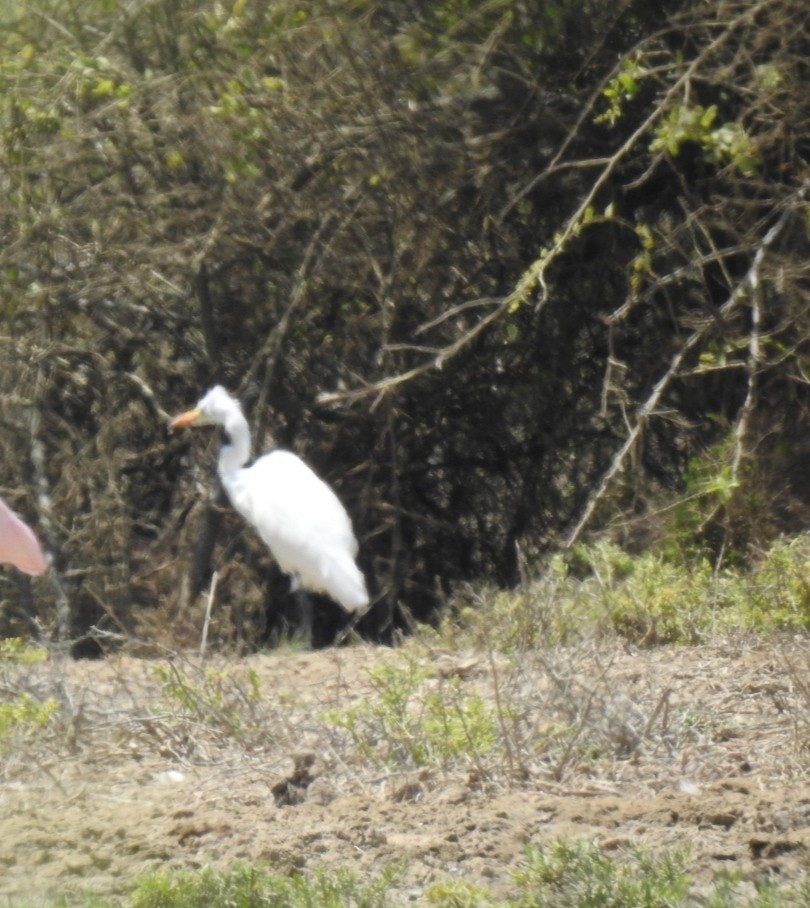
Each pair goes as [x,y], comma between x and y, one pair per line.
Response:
[281,494]
[303,523]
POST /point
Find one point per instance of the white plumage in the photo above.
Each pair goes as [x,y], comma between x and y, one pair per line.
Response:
[295,512]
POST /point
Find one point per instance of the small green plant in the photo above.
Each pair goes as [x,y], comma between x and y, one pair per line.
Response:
[653,600]
[729,889]
[19,711]
[215,696]
[453,893]
[417,719]
[22,712]
[578,874]
[552,608]
[779,591]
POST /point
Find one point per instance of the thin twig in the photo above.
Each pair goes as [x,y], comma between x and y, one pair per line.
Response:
[208,604]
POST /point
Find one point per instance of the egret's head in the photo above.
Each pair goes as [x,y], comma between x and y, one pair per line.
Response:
[211,410]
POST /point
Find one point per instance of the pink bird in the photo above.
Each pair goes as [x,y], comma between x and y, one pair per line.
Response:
[18,543]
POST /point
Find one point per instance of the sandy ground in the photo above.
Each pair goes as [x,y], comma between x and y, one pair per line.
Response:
[704,745]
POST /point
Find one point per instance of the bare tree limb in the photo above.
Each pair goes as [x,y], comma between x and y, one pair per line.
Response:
[535,274]
[747,288]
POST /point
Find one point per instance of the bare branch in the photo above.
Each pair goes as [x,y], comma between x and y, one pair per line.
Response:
[747,288]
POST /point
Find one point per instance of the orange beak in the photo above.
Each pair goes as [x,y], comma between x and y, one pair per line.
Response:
[185,419]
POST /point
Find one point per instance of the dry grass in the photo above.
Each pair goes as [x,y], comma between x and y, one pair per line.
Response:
[553,713]
[176,760]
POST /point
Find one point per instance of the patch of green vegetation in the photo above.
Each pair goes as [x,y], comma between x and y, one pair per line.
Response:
[579,874]
[418,719]
[17,651]
[219,697]
[249,887]
[622,88]
[731,891]
[648,599]
[23,712]
[452,893]
[564,874]
[726,144]
[19,711]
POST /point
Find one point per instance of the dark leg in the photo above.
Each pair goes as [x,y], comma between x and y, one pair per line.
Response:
[305,613]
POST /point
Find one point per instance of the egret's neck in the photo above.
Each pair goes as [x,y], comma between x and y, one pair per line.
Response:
[236,452]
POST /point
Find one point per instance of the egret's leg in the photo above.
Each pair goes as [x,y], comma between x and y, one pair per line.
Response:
[305,615]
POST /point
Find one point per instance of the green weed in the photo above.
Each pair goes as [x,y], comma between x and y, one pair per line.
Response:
[731,891]
[416,719]
[580,875]
[216,697]
[19,711]
[22,712]
[453,893]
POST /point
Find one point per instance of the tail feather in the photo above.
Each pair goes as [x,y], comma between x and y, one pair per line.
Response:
[349,587]
[341,579]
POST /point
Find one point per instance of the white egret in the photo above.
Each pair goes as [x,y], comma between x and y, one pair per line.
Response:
[18,543]
[297,515]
